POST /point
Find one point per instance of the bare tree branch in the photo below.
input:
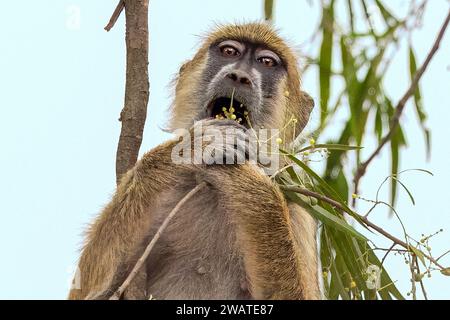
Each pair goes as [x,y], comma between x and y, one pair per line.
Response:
[401,105]
[115,15]
[134,113]
[148,249]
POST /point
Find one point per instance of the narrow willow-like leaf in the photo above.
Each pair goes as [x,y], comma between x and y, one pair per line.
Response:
[334,160]
[397,141]
[387,15]
[326,259]
[335,222]
[337,287]
[326,217]
[367,14]
[371,82]
[340,184]
[293,175]
[268,9]
[315,176]
[323,184]
[344,276]
[378,124]
[343,248]
[351,15]
[353,85]
[326,58]
[418,253]
[417,94]
[407,190]
[394,168]
[419,103]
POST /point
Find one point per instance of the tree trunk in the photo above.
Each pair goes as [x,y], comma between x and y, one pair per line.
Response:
[134,113]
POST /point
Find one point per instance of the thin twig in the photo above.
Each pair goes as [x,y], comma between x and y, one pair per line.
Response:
[387,253]
[443,255]
[393,250]
[366,221]
[424,292]
[115,15]
[401,105]
[148,249]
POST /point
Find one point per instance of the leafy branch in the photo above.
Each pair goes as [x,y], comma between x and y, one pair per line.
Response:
[401,106]
[364,219]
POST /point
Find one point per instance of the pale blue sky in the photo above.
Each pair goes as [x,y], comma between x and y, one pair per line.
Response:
[62,88]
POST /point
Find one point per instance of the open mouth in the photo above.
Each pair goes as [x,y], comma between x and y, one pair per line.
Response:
[227,108]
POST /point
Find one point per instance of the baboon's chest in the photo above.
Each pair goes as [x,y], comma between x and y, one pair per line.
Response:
[196,256]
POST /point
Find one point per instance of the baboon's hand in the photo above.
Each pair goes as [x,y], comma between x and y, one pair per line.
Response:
[222,142]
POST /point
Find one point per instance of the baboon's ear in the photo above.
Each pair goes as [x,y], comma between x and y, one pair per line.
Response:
[306,105]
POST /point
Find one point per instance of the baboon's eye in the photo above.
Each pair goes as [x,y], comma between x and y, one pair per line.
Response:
[229,51]
[267,61]
[268,58]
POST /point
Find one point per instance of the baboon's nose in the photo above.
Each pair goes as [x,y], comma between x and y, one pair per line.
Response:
[239,78]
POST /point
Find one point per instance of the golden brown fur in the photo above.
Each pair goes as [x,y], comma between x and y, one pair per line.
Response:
[238,239]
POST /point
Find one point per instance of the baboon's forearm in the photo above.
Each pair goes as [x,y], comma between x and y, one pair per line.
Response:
[265,237]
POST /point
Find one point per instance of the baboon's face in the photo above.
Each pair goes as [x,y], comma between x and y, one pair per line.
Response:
[241,81]
[244,72]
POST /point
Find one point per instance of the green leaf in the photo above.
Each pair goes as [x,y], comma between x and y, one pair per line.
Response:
[334,159]
[352,85]
[404,187]
[326,57]
[325,186]
[367,14]
[397,141]
[328,218]
[338,270]
[334,222]
[268,9]
[417,94]
[351,15]
[339,183]
[419,103]
[378,124]
[293,175]
[446,272]
[336,286]
[313,175]
[428,143]
[344,248]
[418,253]
[326,259]
[388,16]
[394,168]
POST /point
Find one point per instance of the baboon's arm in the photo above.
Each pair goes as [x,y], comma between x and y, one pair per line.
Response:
[122,223]
[277,241]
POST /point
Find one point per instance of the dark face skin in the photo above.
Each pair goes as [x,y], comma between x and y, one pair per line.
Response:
[248,72]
